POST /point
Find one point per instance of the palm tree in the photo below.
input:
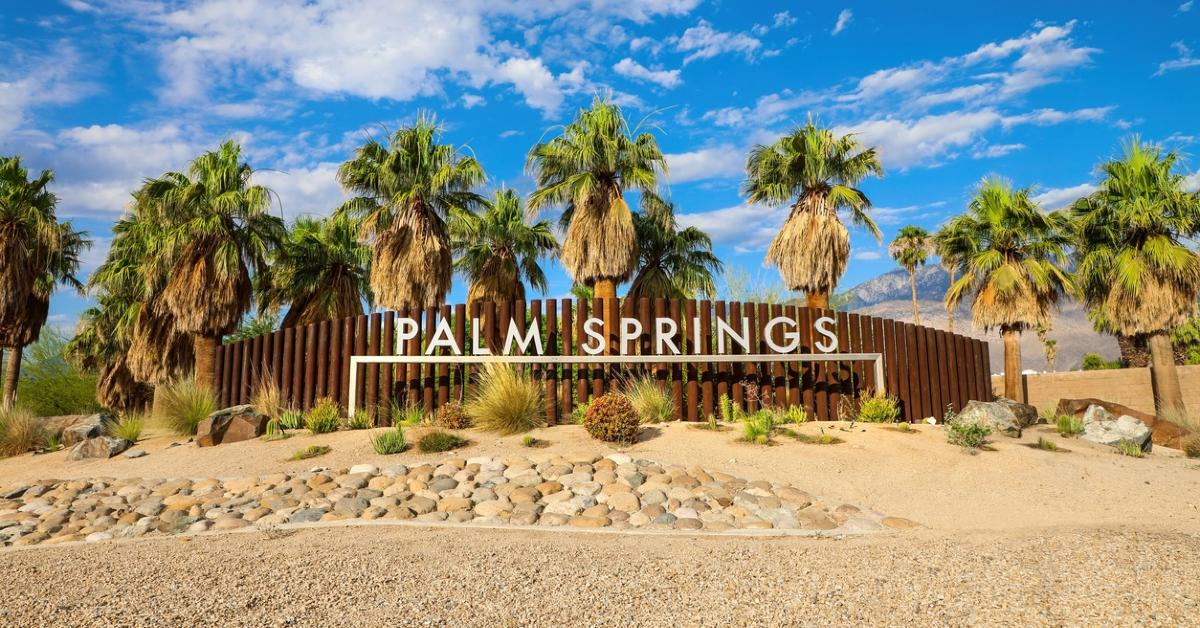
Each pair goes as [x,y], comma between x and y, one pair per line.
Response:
[674,263]
[499,251]
[321,271]
[942,245]
[215,231]
[100,347]
[1011,260]
[586,170]
[1132,260]
[816,172]
[910,249]
[405,193]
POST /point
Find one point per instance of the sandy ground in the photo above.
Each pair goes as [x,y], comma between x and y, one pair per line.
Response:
[917,476]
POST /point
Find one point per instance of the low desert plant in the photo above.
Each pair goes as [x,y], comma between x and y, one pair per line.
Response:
[1068,425]
[579,412]
[437,441]
[878,408]
[312,451]
[128,427]
[391,441]
[529,441]
[612,418]
[274,430]
[1190,445]
[757,427]
[53,441]
[967,433]
[185,404]
[652,403]
[729,412]
[267,400]
[824,438]
[323,418]
[903,426]
[795,415]
[291,419]
[507,401]
[452,416]
[1047,444]
[50,384]
[1096,362]
[1126,447]
[411,415]
[360,421]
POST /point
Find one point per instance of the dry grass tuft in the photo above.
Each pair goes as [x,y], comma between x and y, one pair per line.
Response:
[507,401]
[267,400]
[20,432]
[128,427]
[185,404]
[652,403]
[312,451]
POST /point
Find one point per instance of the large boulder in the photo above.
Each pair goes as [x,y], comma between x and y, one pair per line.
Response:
[1005,416]
[231,425]
[1100,426]
[1163,432]
[99,447]
[76,428]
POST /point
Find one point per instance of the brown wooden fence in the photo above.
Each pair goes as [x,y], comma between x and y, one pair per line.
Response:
[928,370]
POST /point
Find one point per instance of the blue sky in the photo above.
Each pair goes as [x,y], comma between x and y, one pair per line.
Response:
[108,92]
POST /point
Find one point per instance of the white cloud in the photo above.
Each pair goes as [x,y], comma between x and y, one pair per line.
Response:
[905,143]
[666,78]
[784,19]
[867,256]
[1057,198]
[510,133]
[1191,183]
[843,20]
[746,227]
[27,83]
[703,42]
[649,44]
[725,161]
[996,150]
[1185,60]
[84,7]
[533,79]
[305,191]
[1046,117]
[470,101]
[767,110]
[1185,7]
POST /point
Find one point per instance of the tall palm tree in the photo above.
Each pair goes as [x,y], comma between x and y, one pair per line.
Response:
[99,346]
[1012,264]
[321,272]
[673,263]
[499,250]
[586,170]
[942,245]
[405,193]
[1133,262]
[216,230]
[816,172]
[910,249]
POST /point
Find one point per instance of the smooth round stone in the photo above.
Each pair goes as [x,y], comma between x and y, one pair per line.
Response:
[229,523]
[688,523]
[442,483]
[665,519]
[620,459]
[588,522]
[599,510]
[454,504]
[553,519]
[860,524]
[98,536]
[654,497]
[493,508]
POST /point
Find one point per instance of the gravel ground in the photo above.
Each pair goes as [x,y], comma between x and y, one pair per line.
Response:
[403,575]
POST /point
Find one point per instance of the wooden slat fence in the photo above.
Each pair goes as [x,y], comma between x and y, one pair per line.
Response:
[928,370]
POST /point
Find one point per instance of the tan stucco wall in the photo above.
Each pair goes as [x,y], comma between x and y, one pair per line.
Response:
[1128,387]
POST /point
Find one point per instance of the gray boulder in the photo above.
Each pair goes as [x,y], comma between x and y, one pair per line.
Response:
[1100,426]
[1005,416]
[76,428]
[99,447]
[231,425]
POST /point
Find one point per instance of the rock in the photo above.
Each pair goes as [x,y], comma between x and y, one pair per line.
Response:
[1003,415]
[76,428]
[1100,426]
[454,504]
[626,502]
[99,447]
[369,469]
[307,515]
[860,524]
[230,425]
[688,523]
[98,536]
[351,507]
[588,522]
[134,453]
[492,508]
[1164,432]
[229,523]
[899,523]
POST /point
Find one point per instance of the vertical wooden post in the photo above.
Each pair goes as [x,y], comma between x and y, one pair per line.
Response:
[310,364]
[360,348]
[673,312]
[460,338]
[550,372]
[707,379]
[412,397]
[287,391]
[738,370]
[427,394]
[443,370]
[322,359]
[347,349]
[243,373]
[227,376]
[387,378]
[374,331]
[779,392]
[277,359]
[566,387]
[219,375]
[298,368]
[858,369]
[723,371]
[597,370]
[693,373]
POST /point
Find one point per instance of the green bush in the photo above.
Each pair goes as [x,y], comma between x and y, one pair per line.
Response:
[1068,425]
[612,418]
[757,427]
[529,441]
[411,415]
[879,408]
[275,430]
[185,404]
[795,414]
[312,451]
[50,385]
[507,401]
[1096,362]
[729,412]
[360,421]
[128,427]
[452,416]
[1126,447]
[291,419]
[391,441]
[438,441]
[652,403]
[323,418]
[579,413]
[20,431]
[967,433]
[1047,444]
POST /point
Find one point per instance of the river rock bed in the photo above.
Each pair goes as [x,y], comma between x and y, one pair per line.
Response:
[615,492]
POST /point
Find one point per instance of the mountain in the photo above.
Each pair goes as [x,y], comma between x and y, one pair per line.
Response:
[889,296]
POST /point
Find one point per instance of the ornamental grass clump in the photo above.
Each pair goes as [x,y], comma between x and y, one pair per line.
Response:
[185,404]
[323,417]
[267,400]
[757,427]
[452,416]
[967,433]
[507,401]
[612,418]
[391,441]
[291,419]
[128,427]
[360,421]
[274,431]
[407,415]
[1046,444]
[312,451]
[1068,425]
[1126,447]
[20,431]
[1191,445]
[652,403]
[438,441]
[879,408]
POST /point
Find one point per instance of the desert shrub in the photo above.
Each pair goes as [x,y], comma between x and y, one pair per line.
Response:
[580,412]
[128,427]
[879,408]
[360,421]
[267,400]
[1126,447]
[652,403]
[407,415]
[1068,425]
[507,401]
[729,412]
[795,415]
[967,433]
[312,451]
[185,404]
[1096,362]
[452,416]
[757,427]
[53,441]
[438,440]
[1191,445]
[275,430]
[50,384]
[20,431]
[1047,444]
[322,418]
[612,418]
[529,441]
[391,441]
[903,426]
[291,419]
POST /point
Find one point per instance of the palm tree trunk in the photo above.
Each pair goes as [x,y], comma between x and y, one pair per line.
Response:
[912,282]
[1012,364]
[206,350]
[950,310]
[11,375]
[1168,396]
[818,300]
[156,403]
